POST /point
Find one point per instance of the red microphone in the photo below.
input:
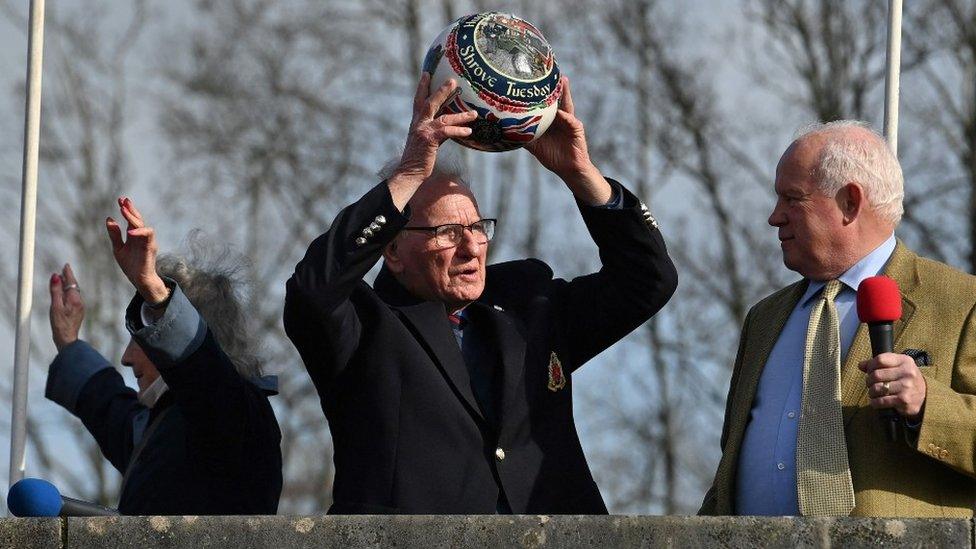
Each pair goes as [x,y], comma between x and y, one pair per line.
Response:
[879,305]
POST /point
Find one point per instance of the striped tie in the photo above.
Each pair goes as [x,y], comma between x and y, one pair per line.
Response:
[823,475]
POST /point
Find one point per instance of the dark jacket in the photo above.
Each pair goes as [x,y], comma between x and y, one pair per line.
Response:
[216,447]
[408,432]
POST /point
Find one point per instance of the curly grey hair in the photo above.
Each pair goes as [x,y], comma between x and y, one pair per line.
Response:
[210,277]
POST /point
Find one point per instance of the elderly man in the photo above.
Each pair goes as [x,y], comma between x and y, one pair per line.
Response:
[199,437]
[803,433]
[447,385]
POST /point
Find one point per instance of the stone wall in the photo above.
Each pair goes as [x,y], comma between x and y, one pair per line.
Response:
[282,532]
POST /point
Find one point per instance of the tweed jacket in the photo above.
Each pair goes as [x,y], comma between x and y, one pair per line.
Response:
[929,473]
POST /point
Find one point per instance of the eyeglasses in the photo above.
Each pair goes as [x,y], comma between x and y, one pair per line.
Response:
[451,234]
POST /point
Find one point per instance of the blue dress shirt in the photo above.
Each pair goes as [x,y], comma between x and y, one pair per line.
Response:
[766,473]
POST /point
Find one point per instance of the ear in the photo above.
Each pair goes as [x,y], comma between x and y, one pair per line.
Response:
[851,201]
[391,255]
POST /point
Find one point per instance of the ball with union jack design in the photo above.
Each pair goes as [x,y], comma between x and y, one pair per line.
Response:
[506,72]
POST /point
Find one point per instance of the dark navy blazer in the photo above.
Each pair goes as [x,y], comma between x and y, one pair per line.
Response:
[408,431]
[217,448]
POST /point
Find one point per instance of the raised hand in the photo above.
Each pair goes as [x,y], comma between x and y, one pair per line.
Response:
[67,308]
[136,255]
[426,134]
[563,151]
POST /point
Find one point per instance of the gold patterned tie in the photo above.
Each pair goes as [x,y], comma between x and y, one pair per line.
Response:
[823,475]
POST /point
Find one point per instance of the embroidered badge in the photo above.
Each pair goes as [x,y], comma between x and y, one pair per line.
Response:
[556,378]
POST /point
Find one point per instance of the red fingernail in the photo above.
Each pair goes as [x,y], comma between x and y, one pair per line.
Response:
[55,278]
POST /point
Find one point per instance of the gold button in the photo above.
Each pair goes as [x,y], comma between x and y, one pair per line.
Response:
[943,454]
[500,454]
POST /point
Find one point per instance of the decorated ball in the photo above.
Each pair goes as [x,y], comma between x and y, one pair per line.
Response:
[505,71]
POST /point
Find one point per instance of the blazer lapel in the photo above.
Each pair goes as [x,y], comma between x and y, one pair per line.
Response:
[428,322]
[511,346]
[854,391]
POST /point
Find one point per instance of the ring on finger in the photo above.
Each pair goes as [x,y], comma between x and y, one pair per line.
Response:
[886,388]
[72,287]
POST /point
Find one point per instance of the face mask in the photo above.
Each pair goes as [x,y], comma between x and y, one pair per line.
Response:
[150,396]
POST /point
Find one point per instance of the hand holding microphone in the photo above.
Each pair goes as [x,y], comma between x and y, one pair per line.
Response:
[895,384]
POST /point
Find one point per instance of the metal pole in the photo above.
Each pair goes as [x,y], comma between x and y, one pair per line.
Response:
[28,209]
[892,75]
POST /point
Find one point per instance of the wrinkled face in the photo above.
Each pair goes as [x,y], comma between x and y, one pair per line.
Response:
[144,370]
[810,224]
[453,275]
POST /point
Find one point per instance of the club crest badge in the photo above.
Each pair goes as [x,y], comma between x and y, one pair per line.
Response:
[556,378]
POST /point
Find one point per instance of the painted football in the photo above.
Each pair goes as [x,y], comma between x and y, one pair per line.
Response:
[505,70]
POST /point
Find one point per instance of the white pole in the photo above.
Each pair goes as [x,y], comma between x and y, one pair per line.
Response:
[893,73]
[28,208]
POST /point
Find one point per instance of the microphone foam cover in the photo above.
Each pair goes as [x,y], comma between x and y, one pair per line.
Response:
[878,300]
[34,497]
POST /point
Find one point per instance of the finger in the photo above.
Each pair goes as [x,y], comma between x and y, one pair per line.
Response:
[114,233]
[893,360]
[458,119]
[455,131]
[142,234]
[566,101]
[433,104]
[68,274]
[890,401]
[132,208]
[863,365]
[57,294]
[131,215]
[423,90]
[877,390]
[881,375]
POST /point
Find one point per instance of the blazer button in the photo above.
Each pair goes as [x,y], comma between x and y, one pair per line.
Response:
[380,219]
[360,241]
[500,454]
[943,454]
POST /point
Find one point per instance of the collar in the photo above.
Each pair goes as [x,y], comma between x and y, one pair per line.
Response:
[868,266]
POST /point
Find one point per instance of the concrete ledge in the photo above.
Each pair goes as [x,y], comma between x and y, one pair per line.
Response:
[39,533]
[284,532]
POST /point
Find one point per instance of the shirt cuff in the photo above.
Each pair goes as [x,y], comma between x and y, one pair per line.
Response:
[172,337]
[616,201]
[74,366]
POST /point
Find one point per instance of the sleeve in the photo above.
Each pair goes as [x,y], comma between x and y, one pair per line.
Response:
[319,317]
[636,279]
[83,382]
[948,431]
[219,405]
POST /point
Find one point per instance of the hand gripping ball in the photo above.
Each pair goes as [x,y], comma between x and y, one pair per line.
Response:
[505,71]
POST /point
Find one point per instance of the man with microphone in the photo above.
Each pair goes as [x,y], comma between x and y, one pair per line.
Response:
[805,432]
[448,383]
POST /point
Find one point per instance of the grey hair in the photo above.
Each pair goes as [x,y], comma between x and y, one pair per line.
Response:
[210,277]
[870,162]
[448,165]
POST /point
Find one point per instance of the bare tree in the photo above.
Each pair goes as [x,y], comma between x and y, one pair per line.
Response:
[85,165]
